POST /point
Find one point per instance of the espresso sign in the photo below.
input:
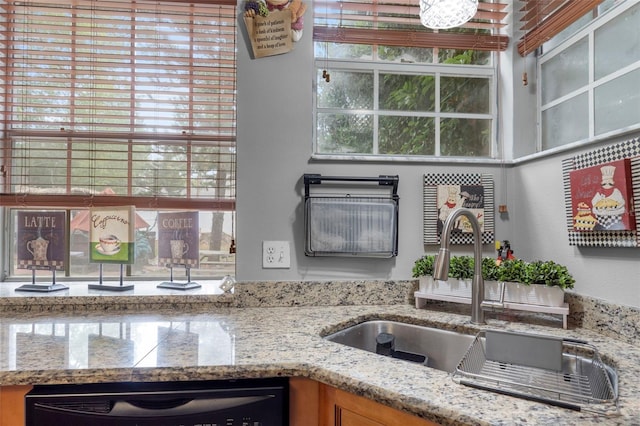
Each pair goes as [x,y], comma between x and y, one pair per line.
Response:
[178,239]
[112,235]
[41,239]
[270,35]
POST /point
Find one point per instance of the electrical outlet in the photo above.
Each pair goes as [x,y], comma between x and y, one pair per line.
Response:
[276,254]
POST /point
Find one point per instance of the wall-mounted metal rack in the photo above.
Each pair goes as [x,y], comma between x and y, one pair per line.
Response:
[351,216]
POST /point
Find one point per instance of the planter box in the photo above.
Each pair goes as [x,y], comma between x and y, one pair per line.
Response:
[534,294]
[457,288]
[532,298]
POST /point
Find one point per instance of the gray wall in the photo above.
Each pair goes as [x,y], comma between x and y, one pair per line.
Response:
[274,151]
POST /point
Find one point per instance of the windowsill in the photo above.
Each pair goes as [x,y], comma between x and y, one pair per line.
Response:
[144,294]
[405,159]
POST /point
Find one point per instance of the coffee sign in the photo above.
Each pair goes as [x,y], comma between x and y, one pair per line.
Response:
[178,239]
[112,235]
[41,239]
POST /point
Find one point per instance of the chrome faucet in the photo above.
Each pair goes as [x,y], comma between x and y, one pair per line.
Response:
[441,266]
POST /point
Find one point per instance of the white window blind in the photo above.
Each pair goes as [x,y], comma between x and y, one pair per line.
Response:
[128,99]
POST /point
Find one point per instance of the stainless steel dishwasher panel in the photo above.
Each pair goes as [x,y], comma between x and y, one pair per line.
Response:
[257,402]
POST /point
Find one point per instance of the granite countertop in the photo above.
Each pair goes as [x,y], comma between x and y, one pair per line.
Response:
[223,340]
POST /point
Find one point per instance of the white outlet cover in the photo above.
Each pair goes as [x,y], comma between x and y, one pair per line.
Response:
[276,254]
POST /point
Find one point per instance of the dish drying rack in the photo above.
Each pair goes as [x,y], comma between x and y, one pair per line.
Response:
[351,216]
[576,379]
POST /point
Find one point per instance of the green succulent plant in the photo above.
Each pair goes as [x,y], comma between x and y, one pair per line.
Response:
[423,266]
[461,267]
[548,273]
[489,269]
[511,270]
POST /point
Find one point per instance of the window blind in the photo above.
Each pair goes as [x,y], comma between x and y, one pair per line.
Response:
[112,101]
[397,23]
[543,19]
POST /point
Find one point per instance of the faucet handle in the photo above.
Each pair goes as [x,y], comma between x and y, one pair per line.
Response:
[495,303]
[441,265]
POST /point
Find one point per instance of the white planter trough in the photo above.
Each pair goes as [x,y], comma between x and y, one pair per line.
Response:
[457,288]
[533,298]
[533,294]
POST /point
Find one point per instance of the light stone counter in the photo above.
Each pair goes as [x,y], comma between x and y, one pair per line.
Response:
[225,340]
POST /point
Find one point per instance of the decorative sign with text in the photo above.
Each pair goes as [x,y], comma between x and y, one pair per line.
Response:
[112,235]
[270,35]
[41,239]
[451,197]
[178,239]
[601,197]
[444,192]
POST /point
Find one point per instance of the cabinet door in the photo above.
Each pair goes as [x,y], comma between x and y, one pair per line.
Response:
[340,408]
[12,405]
[304,401]
[346,417]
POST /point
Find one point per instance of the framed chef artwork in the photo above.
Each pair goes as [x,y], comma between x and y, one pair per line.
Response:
[444,193]
[601,189]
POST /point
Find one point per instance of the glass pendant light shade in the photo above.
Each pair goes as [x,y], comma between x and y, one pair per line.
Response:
[442,14]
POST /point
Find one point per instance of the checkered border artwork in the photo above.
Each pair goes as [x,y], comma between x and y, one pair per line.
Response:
[619,151]
[430,208]
[188,263]
[41,264]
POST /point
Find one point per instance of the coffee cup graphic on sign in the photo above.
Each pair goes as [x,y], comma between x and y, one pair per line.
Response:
[109,244]
[178,248]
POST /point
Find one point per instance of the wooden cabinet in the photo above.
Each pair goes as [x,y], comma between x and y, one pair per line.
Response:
[304,402]
[340,408]
[12,405]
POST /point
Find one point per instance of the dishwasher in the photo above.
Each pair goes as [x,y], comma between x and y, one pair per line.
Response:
[249,402]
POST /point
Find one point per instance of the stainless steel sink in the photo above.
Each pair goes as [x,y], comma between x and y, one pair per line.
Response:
[433,347]
[563,372]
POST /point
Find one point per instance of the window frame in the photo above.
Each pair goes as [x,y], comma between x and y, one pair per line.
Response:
[588,32]
[439,70]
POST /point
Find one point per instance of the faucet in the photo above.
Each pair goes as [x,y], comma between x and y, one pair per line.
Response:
[441,265]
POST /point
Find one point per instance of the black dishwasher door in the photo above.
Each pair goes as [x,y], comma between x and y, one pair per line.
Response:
[256,402]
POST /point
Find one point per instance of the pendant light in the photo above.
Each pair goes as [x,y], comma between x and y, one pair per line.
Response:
[443,14]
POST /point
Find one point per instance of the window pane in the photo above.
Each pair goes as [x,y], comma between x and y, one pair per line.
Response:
[347,90]
[565,123]
[213,171]
[465,94]
[407,135]
[465,137]
[400,92]
[326,50]
[100,165]
[464,57]
[38,163]
[160,170]
[621,32]
[345,133]
[617,107]
[405,55]
[565,72]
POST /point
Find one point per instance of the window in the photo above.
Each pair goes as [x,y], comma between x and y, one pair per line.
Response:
[120,103]
[585,81]
[386,86]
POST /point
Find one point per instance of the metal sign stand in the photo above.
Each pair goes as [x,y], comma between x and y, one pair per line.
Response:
[42,288]
[102,286]
[189,285]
